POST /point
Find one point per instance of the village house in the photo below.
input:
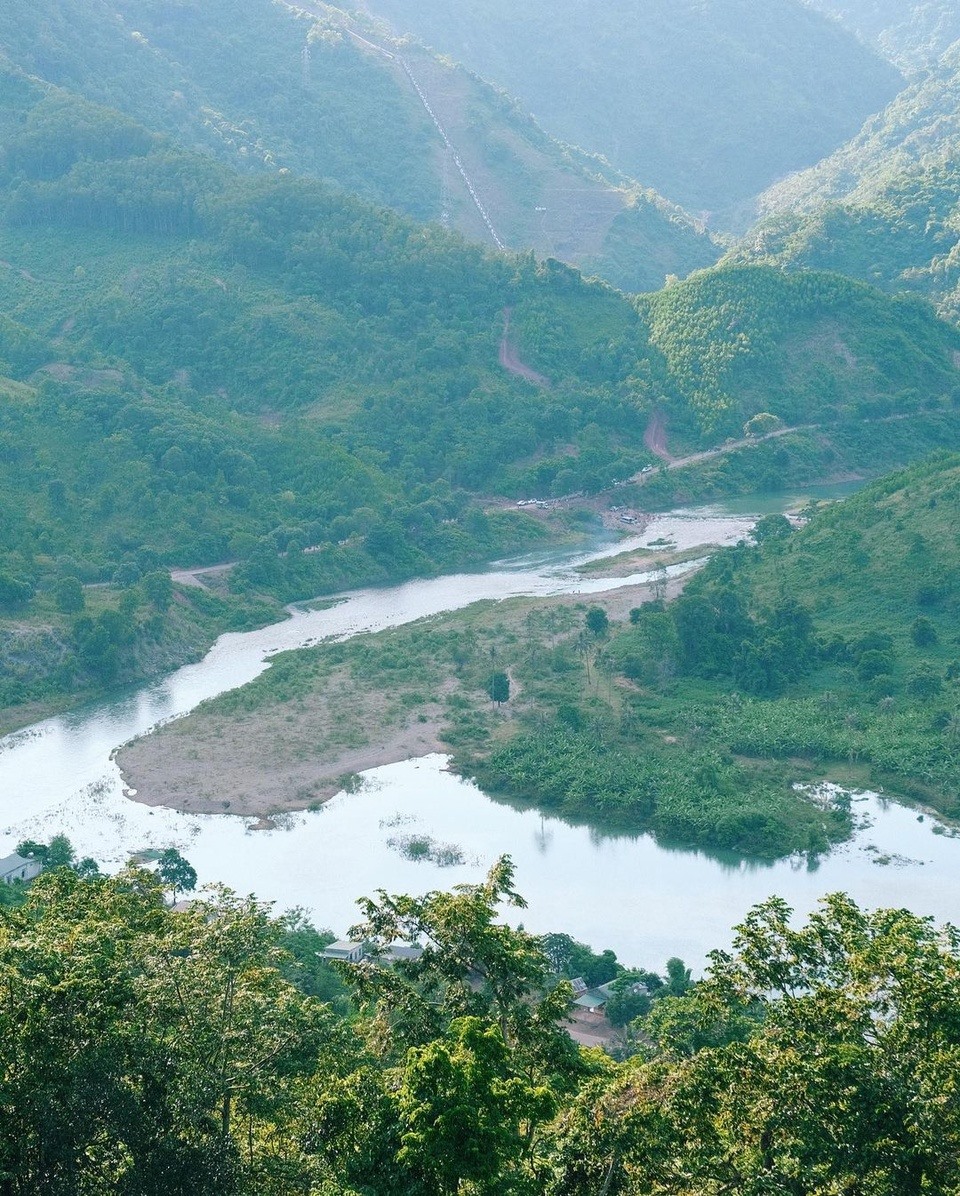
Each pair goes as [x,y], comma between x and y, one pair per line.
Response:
[17,867]
[345,951]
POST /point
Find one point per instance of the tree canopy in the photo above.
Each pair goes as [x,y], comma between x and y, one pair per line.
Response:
[146,1050]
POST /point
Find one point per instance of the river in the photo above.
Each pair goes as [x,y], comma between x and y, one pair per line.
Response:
[645,901]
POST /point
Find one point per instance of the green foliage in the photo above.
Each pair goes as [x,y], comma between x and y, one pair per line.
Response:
[69,596]
[857,666]
[733,675]
[148,1049]
[882,208]
[597,622]
[58,853]
[175,873]
[463,1116]
[630,998]
[731,337]
[350,441]
[341,113]
[695,796]
[499,688]
[572,959]
[849,1007]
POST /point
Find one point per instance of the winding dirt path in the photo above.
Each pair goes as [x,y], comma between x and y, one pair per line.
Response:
[194,577]
[510,359]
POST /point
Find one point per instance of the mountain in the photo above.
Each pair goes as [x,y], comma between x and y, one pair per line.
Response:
[268,87]
[199,365]
[708,104]
[913,35]
[885,206]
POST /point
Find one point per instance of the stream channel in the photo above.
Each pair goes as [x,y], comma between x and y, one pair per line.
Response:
[646,901]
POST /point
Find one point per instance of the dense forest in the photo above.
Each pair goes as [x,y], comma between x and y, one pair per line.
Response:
[709,104]
[148,1050]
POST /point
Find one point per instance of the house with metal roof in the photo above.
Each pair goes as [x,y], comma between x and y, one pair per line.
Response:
[17,867]
[344,950]
[593,1001]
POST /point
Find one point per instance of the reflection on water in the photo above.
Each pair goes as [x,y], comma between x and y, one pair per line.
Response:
[621,891]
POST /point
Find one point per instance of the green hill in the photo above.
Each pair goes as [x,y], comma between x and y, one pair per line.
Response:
[884,207]
[805,347]
[829,652]
[864,671]
[268,87]
[204,366]
[706,103]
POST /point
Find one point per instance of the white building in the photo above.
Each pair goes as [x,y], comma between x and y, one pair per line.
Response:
[344,950]
[17,867]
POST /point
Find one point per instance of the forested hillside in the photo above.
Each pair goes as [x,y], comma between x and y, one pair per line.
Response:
[268,87]
[865,669]
[828,652]
[884,207]
[913,33]
[803,347]
[709,104]
[205,366]
[193,1053]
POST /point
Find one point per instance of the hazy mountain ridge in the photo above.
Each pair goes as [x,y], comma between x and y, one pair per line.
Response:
[708,104]
[885,206]
[269,87]
[911,34]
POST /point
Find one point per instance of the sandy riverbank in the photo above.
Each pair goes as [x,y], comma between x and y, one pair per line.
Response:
[294,752]
[208,765]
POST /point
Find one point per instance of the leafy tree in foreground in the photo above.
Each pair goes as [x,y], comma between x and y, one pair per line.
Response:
[462,1108]
[472,965]
[139,1047]
[838,1073]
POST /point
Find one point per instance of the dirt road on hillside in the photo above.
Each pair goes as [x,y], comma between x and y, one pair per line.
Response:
[510,359]
[655,440]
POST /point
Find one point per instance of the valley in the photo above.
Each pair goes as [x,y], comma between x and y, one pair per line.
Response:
[483,483]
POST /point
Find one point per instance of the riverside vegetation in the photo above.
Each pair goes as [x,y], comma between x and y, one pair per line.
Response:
[831,651]
[191,1052]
